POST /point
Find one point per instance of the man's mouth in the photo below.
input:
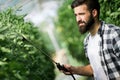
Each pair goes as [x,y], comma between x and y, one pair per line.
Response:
[81,24]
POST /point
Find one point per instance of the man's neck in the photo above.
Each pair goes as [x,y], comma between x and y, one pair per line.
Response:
[95,28]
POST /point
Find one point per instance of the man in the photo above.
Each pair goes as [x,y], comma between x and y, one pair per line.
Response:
[102,44]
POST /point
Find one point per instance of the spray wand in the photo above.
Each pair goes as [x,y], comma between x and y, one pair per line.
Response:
[59,66]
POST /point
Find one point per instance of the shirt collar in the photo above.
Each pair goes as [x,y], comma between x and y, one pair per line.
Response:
[101,29]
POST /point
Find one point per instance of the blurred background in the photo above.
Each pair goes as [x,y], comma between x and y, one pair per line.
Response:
[30,29]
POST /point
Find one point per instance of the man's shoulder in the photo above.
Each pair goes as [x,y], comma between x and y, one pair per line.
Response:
[112,28]
[111,31]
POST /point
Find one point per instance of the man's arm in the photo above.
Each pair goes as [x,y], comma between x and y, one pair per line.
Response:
[80,70]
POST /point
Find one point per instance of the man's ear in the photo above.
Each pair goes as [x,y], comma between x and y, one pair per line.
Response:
[94,13]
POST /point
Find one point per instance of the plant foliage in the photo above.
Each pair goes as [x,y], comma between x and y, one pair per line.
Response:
[19,59]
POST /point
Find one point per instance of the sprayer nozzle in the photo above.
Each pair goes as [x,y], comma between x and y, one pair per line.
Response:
[61,67]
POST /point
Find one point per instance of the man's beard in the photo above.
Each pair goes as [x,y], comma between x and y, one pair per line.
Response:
[87,26]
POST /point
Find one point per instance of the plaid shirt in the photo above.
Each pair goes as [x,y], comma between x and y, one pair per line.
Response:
[109,49]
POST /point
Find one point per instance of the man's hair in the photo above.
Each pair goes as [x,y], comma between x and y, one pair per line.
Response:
[91,4]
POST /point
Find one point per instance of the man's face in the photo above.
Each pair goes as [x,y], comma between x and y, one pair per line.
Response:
[84,18]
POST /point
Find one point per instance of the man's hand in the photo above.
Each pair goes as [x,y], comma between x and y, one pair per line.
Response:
[80,70]
[69,69]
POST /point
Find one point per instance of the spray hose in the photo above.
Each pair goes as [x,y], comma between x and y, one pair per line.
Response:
[60,67]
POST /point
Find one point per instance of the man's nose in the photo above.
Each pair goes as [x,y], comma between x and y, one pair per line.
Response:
[78,18]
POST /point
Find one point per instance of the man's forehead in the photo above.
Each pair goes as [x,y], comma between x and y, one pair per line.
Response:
[81,8]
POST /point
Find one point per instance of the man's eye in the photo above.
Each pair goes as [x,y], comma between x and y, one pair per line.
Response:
[75,14]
